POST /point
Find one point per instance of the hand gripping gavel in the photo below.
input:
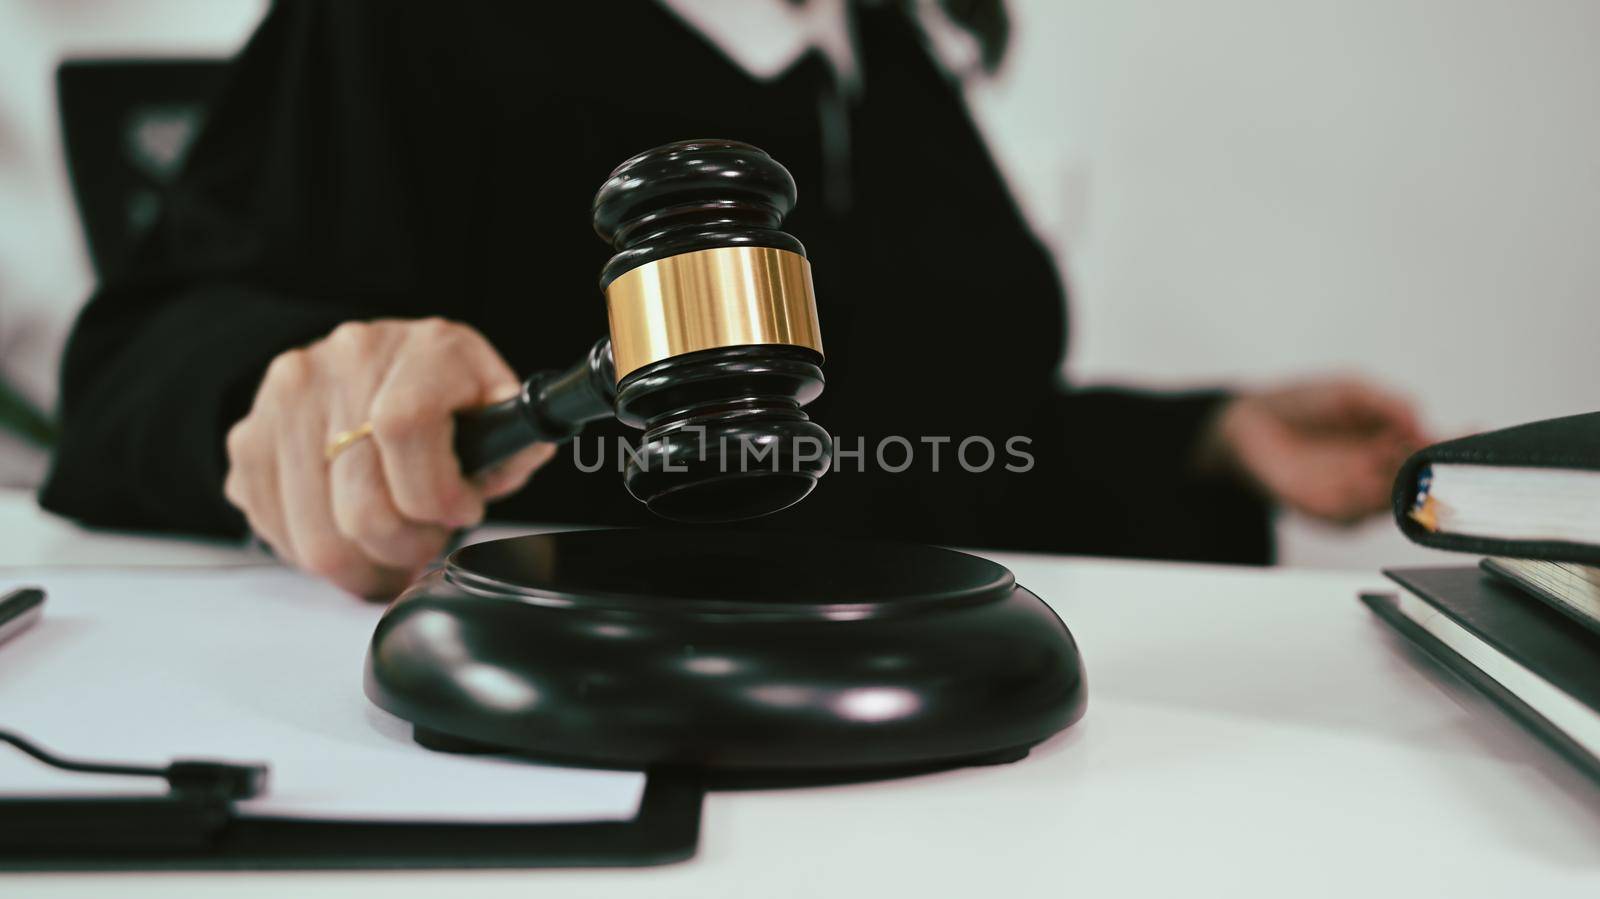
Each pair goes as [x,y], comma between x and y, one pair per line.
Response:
[714,344]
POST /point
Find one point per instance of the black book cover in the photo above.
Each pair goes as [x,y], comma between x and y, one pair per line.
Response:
[1524,629]
[1572,443]
[1517,626]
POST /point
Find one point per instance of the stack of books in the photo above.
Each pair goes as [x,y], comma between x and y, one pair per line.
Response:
[1523,624]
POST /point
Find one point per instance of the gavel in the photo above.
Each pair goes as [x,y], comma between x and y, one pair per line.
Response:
[714,346]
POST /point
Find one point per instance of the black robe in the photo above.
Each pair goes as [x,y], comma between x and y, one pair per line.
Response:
[371,159]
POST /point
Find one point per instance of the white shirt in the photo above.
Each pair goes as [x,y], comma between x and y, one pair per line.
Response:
[766,37]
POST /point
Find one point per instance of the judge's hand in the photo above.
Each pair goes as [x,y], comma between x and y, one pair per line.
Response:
[1328,448]
[385,507]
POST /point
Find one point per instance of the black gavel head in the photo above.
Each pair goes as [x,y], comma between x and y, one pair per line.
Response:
[714,331]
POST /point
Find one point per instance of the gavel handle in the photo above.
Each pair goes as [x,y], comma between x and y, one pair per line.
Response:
[489,434]
[552,407]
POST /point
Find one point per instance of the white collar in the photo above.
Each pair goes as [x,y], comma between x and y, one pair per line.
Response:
[766,37]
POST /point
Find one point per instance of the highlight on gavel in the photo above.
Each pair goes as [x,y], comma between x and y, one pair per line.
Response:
[714,344]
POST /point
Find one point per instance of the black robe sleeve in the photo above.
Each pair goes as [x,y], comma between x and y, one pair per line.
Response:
[1133,486]
[289,218]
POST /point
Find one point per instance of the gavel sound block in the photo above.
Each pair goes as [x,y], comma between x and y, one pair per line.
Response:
[786,658]
[714,344]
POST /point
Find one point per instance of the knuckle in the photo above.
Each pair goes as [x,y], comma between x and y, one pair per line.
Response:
[438,500]
[425,502]
[240,440]
[372,520]
[352,335]
[397,419]
[289,370]
[449,493]
[406,492]
[233,489]
[446,336]
[434,326]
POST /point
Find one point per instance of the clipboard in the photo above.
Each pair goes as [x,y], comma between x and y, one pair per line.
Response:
[265,664]
[197,833]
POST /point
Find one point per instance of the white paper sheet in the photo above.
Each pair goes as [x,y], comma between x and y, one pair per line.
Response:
[253,664]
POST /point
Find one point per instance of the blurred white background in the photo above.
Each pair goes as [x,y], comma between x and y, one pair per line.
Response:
[1239,191]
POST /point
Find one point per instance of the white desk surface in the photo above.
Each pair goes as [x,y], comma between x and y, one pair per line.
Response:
[1249,733]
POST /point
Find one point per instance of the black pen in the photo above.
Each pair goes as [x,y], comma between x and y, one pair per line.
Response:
[19,609]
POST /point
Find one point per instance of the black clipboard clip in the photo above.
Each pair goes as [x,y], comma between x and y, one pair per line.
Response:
[198,803]
[193,827]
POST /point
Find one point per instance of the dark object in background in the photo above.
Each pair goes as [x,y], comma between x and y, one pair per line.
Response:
[989,24]
[19,610]
[714,343]
[19,416]
[735,652]
[127,125]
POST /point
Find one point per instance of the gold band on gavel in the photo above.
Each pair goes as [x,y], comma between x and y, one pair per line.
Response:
[706,299]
